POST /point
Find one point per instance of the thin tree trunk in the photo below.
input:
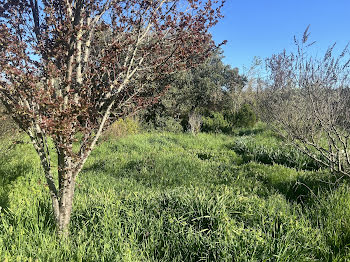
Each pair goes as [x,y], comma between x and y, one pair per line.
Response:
[66,180]
[40,144]
[66,204]
[54,199]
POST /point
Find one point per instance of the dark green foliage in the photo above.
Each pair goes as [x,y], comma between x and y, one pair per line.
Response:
[164,124]
[206,87]
[226,121]
[215,123]
[246,116]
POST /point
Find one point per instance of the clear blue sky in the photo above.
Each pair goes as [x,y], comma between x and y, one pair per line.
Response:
[263,27]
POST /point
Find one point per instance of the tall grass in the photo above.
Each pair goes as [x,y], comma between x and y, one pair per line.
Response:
[268,149]
[175,197]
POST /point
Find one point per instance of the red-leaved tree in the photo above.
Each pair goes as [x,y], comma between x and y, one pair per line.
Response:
[70,68]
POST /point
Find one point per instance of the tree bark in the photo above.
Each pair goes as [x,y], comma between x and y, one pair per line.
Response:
[66,180]
[66,205]
[54,197]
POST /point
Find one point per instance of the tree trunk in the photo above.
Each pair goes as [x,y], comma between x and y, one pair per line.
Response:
[66,180]
[66,205]
[54,197]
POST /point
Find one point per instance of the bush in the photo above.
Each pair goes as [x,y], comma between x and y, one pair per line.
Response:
[225,121]
[168,124]
[163,124]
[122,127]
[7,126]
[215,122]
[246,116]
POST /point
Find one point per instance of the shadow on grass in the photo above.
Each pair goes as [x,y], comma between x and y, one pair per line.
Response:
[87,219]
[291,158]
[147,172]
[130,169]
[305,190]
[45,213]
[248,132]
[302,187]
[308,177]
[8,174]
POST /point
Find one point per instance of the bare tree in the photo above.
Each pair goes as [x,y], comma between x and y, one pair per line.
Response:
[308,100]
[73,67]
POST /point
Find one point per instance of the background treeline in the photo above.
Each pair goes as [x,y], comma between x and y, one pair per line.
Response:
[212,97]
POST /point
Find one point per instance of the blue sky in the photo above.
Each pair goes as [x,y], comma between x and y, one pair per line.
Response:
[263,27]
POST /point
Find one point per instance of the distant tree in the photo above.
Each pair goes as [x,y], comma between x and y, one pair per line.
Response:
[246,89]
[307,101]
[235,91]
[203,88]
[207,86]
[75,66]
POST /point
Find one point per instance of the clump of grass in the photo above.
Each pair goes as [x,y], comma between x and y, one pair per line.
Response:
[267,149]
[331,214]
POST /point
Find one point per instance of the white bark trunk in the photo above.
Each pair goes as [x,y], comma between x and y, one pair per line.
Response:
[66,180]
[66,205]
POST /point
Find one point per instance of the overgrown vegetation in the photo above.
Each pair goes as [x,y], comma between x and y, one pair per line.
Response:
[122,127]
[226,122]
[178,197]
[306,100]
[208,182]
[212,90]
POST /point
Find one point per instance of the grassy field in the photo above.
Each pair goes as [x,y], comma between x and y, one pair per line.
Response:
[178,197]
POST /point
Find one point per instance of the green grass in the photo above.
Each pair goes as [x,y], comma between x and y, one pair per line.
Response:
[268,149]
[178,197]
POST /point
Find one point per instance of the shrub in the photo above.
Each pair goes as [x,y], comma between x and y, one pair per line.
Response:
[163,124]
[122,127]
[168,124]
[246,116]
[215,122]
[225,121]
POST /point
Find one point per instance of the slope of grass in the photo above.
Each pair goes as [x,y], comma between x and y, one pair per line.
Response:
[177,197]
